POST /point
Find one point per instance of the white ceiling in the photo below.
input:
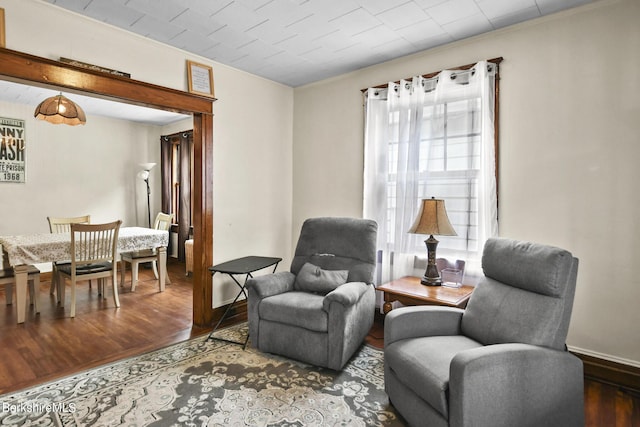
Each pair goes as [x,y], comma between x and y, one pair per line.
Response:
[296,42]
[32,95]
[293,42]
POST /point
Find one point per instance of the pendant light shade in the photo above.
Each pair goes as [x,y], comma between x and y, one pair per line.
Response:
[60,110]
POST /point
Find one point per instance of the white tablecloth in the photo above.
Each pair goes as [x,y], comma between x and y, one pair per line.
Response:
[49,247]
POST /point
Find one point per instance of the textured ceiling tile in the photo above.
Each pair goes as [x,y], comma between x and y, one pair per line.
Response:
[375,7]
[332,9]
[285,59]
[402,16]
[113,14]
[453,10]
[425,4]
[335,41]
[202,7]
[189,40]
[237,15]
[223,53]
[317,54]
[150,27]
[421,31]
[356,21]
[197,22]
[283,12]
[298,44]
[314,26]
[377,36]
[495,8]
[259,49]
[231,36]
[270,32]
[468,26]
[166,12]
[515,17]
[76,5]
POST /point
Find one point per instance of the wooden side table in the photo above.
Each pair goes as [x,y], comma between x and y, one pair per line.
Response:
[409,291]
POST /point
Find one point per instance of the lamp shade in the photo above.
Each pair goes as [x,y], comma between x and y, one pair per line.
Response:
[147,166]
[432,219]
[60,110]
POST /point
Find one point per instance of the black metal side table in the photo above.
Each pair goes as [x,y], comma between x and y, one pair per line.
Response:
[245,265]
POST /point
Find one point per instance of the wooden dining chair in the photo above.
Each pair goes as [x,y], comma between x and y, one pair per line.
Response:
[8,279]
[93,256]
[135,258]
[62,225]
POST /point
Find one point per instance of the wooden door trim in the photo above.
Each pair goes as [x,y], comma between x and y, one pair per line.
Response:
[25,68]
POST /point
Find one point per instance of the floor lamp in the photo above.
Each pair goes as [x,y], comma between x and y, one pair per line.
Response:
[144,175]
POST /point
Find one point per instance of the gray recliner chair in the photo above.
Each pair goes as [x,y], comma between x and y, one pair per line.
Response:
[321,310]
[500,362]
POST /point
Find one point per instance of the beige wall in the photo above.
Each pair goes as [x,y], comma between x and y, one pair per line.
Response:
[569,147]
[252,126]
[569,143]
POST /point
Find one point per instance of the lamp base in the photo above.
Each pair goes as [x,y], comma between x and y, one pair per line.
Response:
[431,281]
[431,275]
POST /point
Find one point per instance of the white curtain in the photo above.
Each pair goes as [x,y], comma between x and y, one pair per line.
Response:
[431,137]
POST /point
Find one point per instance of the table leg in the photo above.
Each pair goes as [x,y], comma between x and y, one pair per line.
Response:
[386,307]
[162,266]
[21,276]
[388,303]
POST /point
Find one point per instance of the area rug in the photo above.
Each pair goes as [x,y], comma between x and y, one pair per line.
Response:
[204,382]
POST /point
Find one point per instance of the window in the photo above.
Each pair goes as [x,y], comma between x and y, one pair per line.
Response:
[433,137]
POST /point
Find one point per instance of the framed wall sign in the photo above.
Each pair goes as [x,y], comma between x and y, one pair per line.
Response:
[12,150]
[200,78]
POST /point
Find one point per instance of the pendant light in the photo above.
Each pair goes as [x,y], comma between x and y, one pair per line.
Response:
[60,110]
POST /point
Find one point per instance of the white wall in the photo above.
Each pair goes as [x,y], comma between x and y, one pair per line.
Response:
[73,171]
[569,147]
[252,125]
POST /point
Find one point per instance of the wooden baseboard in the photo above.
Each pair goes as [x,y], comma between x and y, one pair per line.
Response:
[236,314]
[613,373]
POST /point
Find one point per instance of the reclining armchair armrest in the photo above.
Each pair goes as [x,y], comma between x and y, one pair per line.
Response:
[347,294]
[421,321]
[516,384]
[271,284]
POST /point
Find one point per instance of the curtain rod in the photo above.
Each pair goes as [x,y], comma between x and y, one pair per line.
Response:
[496,61]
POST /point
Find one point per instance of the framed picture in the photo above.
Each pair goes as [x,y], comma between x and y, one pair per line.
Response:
[2,40]
[200,78]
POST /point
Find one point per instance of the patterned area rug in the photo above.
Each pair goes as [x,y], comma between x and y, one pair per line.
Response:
[210,383]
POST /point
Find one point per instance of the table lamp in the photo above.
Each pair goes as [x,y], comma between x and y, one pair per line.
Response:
[432,219]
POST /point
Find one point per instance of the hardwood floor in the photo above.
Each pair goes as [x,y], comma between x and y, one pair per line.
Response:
[52,345]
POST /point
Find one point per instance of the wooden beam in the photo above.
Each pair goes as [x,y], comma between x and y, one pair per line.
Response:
[42,71]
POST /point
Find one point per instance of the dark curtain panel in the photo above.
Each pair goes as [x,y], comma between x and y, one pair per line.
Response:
[184,220]
[181,157]
[165,165]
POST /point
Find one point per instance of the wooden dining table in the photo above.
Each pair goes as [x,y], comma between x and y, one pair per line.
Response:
[22,250]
